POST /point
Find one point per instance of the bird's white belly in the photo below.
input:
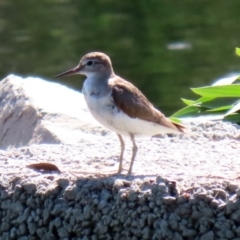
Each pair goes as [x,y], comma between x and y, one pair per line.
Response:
[111,117]
[125,125]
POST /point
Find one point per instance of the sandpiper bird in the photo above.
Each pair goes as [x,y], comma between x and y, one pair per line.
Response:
[119,105]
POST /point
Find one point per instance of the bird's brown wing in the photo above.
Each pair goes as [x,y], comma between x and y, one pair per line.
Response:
[132,102]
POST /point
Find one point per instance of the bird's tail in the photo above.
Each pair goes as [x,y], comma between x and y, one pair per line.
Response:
[180,127]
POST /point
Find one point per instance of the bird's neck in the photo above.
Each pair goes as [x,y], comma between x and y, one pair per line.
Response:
[97,84]
[99,78]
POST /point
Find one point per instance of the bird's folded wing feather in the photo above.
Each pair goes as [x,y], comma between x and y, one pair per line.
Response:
[131,101]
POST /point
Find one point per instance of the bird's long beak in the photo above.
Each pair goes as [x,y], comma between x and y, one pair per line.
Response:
[69,72]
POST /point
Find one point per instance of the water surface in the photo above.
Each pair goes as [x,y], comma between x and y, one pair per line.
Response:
[164,47]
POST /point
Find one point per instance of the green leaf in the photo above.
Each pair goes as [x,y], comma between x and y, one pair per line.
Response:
[187,101]
[185,111]
[219,102]
[219,91]
[220,109]
[234,109]
[175,120]
[203,99]
[238,51]
[232,118]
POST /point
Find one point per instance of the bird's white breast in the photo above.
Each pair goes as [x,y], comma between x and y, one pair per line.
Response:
[101,105]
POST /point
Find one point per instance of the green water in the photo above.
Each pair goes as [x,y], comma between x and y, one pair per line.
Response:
[44,38]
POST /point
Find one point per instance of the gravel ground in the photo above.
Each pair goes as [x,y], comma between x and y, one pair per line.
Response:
[187,184]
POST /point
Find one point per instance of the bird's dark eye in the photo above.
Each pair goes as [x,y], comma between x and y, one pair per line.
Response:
[89,63]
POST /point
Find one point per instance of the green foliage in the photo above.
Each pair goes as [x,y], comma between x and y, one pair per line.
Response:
[218,91]
[175,120]
[238,51]
[219,101]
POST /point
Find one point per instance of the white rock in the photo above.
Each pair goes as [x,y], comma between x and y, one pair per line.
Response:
[37,111]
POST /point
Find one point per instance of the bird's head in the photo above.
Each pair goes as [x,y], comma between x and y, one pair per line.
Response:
[91,64]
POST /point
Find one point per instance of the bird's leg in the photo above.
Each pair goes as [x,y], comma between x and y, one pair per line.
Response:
[134,153]
[122,151]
